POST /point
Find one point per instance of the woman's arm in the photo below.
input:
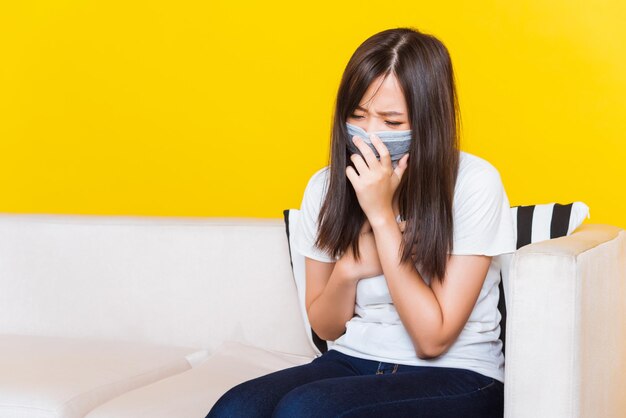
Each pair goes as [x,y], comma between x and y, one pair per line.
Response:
[330,298]
[433,316]
[331,287]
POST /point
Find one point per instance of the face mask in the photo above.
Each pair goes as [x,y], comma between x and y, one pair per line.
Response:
[397,142]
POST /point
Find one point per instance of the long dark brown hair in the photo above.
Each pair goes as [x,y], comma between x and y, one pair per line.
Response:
[423,67]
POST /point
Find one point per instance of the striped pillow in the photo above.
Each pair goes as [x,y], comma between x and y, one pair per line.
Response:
[534,223]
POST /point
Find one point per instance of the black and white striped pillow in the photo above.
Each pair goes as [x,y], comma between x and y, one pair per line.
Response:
[535,223]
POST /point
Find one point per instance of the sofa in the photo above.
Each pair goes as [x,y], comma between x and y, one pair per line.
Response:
[137,316]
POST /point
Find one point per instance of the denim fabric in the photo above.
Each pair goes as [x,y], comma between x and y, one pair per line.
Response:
[339,385]
[398,143]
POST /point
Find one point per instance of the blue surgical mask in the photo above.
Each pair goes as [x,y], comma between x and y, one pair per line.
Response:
[397,142]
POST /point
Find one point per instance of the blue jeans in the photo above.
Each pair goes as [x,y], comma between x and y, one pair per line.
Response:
[339,385]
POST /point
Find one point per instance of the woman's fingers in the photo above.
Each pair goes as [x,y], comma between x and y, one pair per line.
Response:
[359,163]
[367,152]
[383,152]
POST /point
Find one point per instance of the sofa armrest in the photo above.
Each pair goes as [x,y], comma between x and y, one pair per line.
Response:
[566,326]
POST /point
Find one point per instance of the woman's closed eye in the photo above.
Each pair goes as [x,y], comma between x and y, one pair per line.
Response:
[387,121]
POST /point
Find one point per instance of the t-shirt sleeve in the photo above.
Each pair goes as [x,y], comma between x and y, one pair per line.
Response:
[483,224]
[306,230]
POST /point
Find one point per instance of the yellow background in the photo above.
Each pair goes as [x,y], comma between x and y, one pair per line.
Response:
[221,108]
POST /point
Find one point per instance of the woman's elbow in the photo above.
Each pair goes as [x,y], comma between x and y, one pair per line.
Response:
[429,352]
[327,334]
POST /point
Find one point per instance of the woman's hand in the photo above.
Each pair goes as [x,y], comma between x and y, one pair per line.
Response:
[376,182]
[369,264]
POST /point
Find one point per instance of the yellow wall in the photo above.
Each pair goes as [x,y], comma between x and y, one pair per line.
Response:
[216,108]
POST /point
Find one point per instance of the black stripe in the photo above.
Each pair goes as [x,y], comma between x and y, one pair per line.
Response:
[560,220]
[524,225]
[502,309]
[319,343]
[286,217]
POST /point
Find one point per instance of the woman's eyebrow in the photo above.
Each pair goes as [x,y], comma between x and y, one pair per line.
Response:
[384,113]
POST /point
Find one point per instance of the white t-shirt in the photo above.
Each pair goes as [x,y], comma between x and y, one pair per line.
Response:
[483,224]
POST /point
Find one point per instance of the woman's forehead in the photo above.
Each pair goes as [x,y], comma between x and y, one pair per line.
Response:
[384,97]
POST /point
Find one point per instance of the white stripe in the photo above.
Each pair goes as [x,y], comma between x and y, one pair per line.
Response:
[542,218]
[580,211]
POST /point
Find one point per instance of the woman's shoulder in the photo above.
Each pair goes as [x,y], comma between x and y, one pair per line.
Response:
[476,177]
[471,164]
[482,219]
[316,188]
[318,180]
[475,171]
[321,174]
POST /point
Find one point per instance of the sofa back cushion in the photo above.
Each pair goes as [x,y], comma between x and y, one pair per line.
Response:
[192,282]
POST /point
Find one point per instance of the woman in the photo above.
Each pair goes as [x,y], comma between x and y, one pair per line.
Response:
[398,236]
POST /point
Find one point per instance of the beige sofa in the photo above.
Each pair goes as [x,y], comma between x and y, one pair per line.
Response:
[117,317]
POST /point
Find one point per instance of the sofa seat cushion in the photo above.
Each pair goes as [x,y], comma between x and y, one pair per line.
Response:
[55,377]
[192,394]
